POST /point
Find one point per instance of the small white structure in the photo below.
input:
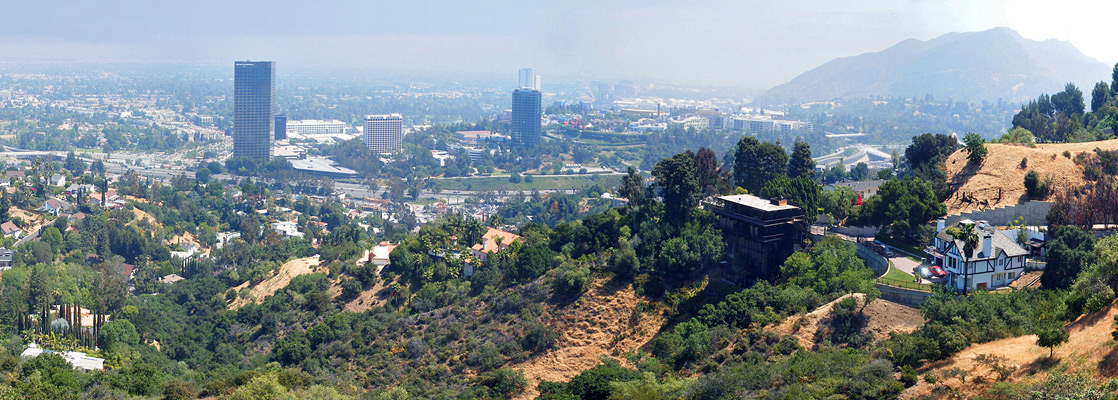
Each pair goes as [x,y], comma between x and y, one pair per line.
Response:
[57,180]
[289,229]
[76,358]
[996,262]
[224,238]
[379,255]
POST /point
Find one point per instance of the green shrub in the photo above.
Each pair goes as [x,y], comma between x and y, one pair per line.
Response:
[908,376]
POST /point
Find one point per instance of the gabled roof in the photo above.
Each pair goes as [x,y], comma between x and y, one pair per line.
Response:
[1000,243]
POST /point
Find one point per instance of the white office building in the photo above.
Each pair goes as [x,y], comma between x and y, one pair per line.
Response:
[316,127]
[384,133]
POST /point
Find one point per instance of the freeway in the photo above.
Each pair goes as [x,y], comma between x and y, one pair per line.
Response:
[350,189]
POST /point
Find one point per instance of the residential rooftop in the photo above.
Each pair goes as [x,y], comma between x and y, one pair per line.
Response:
[757,202]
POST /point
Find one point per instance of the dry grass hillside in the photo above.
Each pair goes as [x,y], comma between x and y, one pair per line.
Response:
[1090,349]
[277,281]
[999,181]
[882,318]
[597,324]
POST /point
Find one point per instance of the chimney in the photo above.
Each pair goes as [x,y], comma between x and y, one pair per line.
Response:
[778,202]
[940,225]
[987,243]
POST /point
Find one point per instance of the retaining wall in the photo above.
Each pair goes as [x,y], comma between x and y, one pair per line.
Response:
[855,231]
[1034,212]
[903,296]
[875,261]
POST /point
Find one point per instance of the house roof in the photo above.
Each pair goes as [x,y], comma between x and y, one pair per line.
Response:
[172,278]
[999,242]
[8,227]
[489,240]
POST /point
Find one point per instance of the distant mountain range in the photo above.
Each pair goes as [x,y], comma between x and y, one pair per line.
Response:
[971,66]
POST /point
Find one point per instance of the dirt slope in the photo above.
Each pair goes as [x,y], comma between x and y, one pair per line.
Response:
[277,281]
[999,181]
[883,316]
[1090,348]
[596,325]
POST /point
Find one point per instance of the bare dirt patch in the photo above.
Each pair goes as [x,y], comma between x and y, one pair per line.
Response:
[594,326]
[375,296]
[1029,279]
[142,216]
[883,317]
[29,218]
[999,181]
[1090,349]
[277,281]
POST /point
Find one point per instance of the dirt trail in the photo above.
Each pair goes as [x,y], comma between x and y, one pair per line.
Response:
[883,318]
[1000,179]
[596,325]
[277,281]
[1090,349]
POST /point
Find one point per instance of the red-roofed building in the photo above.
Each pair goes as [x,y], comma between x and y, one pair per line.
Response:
[492,241]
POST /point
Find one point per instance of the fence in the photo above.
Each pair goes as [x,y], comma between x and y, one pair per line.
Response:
[904,284]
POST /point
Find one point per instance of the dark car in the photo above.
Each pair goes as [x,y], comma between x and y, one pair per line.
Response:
[937,271]
[925,272]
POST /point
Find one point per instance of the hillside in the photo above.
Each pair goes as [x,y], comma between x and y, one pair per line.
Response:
[882,318]
[999,181]
[970,66]
[597,325]
[282,276]
[1090,349]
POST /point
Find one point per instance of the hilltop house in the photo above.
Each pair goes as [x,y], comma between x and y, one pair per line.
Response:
[57,180]
[10,229]
[763,231]
[5,259]
[289,229]
[997,260]
[55,206]
[492,241]
[77,359]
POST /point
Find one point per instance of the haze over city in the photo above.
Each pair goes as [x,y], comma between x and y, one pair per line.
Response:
[752,44]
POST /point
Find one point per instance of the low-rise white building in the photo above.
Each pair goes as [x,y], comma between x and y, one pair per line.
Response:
[289,229]
[76,358]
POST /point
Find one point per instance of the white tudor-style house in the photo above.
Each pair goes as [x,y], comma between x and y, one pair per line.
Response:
[996,262]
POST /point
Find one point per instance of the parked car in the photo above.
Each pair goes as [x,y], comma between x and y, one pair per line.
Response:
[888,252]
[937,271]
[925,273]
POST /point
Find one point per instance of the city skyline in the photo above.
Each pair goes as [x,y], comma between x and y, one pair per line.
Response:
[753,45]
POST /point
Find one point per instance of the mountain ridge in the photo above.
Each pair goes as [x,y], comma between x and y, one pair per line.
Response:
[968,66]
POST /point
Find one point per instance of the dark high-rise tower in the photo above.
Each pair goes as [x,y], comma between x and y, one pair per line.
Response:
[254,94]
[525,117]
[281,127]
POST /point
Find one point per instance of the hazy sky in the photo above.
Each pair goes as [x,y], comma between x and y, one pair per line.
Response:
[754,44]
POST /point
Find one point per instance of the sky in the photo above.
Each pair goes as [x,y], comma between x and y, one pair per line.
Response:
[747,44]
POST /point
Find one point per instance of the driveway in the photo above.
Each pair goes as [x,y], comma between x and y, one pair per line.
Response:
[906,264]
